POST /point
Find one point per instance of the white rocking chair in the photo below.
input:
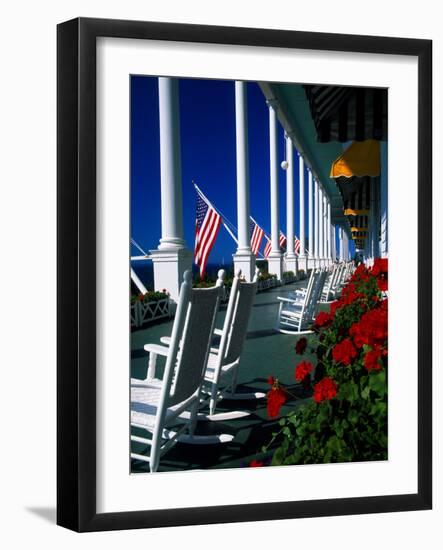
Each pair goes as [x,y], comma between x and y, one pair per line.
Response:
[297,311]
[330,286]
[220,379]
[159,406]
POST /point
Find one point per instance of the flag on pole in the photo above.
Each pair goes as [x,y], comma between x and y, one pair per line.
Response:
[282,240]
[207,224]
[296,245]
[256,234]
[268,247]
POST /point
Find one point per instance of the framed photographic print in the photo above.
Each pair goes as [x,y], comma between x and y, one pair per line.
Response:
[244,274]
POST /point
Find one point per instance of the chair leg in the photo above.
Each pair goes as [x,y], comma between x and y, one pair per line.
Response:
[234,379]
[213,399]
[154,457]
[152,365]
[193,418]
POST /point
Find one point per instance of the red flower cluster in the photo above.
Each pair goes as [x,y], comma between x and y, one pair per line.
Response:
[302,370]
[344,352]
[300,346]
[350,294]
[372,359]
[256,464]
[382,283]
[372,329]
[323,319]
[276,397]
[380,267]
[325,390]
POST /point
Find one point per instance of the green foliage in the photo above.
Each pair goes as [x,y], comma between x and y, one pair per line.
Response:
[264,276]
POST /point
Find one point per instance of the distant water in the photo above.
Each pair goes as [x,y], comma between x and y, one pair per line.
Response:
[146,272]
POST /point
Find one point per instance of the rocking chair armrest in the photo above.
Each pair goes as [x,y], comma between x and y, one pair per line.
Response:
[146,383]
[157,349]
[165,340]
[282,299]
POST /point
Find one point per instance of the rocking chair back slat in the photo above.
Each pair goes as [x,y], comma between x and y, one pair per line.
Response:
[198,324]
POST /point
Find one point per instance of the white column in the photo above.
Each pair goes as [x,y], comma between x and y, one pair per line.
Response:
[275,257]
[328,230]
[170,165]
[325,233]
[340,245]
[316,220]
[172,257]
[334,245]
[290,258]
[374,221]
[311,262]
[320,226]
[243,258]
[302,260]
[383,201]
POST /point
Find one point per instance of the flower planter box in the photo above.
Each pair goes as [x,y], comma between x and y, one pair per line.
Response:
[266,284]
[287,280]
[145,312]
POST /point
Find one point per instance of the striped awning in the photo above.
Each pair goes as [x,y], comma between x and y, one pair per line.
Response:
[359,235]
[359,223]
[356,194]
[343,113]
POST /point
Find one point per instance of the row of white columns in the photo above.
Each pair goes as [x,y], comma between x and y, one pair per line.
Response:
[320,250]
[172,257]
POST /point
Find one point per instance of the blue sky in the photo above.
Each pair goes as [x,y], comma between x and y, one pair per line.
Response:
[207,118]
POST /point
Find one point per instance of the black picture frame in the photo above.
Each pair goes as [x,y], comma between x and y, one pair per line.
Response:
[76,280]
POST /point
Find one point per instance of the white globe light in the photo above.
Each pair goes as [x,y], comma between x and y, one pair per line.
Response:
[285,164]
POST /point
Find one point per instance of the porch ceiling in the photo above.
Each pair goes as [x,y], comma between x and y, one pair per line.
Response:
[295,116]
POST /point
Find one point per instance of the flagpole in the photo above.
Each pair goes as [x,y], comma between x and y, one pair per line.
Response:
[224,218]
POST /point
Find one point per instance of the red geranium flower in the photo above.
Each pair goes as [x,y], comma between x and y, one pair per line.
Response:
[271,380]
[334,306]
[380,266]
[344,352]
[372,359]
[276,399]
[372,329]
[300,346]
[382,284]
[323,319]
[350,294]
[255,464]
[325,390]
[302,370]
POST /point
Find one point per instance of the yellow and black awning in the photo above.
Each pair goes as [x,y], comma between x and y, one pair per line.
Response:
[356,194]
[359,223]
[360,159]
[344,113]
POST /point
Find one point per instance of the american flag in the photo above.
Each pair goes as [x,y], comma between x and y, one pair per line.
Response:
[256,234]
[296,245]
[207,224]
[268,247]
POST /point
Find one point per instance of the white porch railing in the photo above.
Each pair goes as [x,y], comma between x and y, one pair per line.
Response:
[144,312]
